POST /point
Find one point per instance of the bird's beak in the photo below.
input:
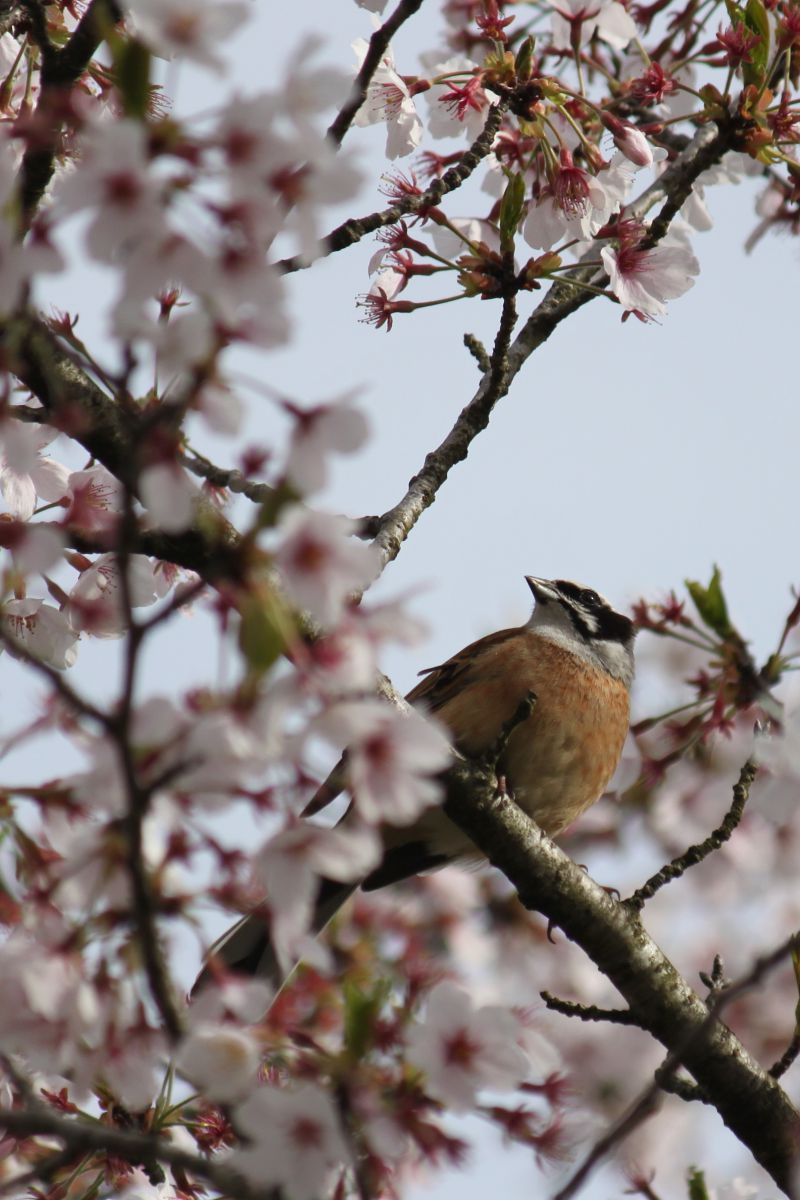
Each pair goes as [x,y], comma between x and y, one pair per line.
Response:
[542,589]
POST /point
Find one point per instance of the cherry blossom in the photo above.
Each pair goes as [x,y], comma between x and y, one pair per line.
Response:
[289,867]
[42,630]
[219,1060]
[37,548]
[296,1139]
[457,106]
[321,563]
[607,18]
[96,601]
[95,500]
[462,1049]
[337,427]
[24,472]
[392,757]
[389,100]
[114,178]
[190,29]
[643,280]
[169,496]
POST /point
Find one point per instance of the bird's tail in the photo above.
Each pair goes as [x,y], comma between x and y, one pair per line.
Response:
[247,949]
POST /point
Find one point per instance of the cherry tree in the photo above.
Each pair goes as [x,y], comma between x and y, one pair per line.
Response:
[542,157]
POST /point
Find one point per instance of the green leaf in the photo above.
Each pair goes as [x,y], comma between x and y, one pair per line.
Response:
[265,629]
[711,605]
[132,68]
[511,207]
[696,1181]
[361,1010]
[524,59]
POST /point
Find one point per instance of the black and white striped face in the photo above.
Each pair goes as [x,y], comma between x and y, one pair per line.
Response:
[584,622]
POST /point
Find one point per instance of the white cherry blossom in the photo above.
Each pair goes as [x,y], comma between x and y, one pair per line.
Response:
[338,427]
[643,280]
[42,630]
[389,100]
[295,1140]
[220,1060]
[114,178]
[392,757]
[24,472]
[95,500]
[96,602]
[608,18]
[190,29]
[169,496]
[321,562]
[462,1049]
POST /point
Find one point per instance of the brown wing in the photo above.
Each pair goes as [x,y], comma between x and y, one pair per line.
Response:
[439,686]
[442,683]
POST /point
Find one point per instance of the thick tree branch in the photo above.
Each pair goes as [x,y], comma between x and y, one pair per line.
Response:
[378,44]
[109,432]
[60,69]
[749,1101]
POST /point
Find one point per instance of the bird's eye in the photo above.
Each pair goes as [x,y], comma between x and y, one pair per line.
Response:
[589,597]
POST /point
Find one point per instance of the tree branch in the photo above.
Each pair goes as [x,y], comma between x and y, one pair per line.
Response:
[138,1149]
[749,1101]
[392,529]
[60,69]
[378,44]
[562,299]
[701,850]
[356,228]
[588,1012]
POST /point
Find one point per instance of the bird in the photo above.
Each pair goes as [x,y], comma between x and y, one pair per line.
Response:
[575,654]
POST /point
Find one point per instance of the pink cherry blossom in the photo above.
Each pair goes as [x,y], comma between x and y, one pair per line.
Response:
[96,602]
[190,29]
[321,562]
[40,629]
[392,757]
[462,1049]
[338,427]
[457,106]
[295,1140]
[24,472]
[389,100]
[643,280]
[96,500]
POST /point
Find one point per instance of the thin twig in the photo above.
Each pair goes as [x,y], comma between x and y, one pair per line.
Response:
[54,678]
[394,526]
[378,44]
[700,850]
[589,1012]
[138,797]
[138,1149]
[356,228]
[788,1057]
